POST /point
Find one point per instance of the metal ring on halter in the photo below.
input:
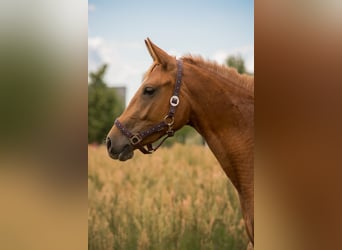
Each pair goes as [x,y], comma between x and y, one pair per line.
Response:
[135,139]
[169,120]
[174,101]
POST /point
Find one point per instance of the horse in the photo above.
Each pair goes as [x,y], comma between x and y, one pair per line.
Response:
[214,99]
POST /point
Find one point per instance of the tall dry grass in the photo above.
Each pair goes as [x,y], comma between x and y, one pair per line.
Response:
[177,198]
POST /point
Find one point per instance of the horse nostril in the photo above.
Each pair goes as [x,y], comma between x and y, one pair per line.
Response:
[109,143]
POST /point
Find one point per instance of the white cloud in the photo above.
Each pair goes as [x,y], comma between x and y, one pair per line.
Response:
[250,64]
[130,45]
[174,52]
[125,66]
[99,52]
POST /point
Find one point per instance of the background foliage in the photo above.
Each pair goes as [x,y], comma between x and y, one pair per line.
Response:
[177,198]
[103,106]
[236,61]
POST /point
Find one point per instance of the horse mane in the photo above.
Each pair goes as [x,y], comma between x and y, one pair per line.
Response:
[245,81]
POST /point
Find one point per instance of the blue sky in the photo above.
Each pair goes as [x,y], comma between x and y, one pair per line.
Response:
[213,29]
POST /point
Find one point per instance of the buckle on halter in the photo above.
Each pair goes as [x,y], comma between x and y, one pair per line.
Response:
[135,139]
[169,120]
[174,101]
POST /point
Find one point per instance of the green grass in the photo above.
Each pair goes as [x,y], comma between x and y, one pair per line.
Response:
[177,198]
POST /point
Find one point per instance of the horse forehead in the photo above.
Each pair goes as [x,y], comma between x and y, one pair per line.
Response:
[157,75]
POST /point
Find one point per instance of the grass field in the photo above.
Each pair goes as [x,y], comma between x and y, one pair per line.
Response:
[177,198]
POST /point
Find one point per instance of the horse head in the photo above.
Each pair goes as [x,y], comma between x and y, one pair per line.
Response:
[151,113]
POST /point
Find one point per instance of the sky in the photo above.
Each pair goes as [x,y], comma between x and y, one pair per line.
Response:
[213,29]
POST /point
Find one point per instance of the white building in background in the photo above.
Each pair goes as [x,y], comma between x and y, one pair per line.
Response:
[121,91]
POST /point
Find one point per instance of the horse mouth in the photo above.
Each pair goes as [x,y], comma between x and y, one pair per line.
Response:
[126,154]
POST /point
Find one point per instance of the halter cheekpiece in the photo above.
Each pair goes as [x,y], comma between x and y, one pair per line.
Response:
[168,121]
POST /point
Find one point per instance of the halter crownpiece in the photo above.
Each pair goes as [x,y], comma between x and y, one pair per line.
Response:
[136,139]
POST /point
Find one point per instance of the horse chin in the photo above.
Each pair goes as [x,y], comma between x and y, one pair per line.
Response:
[126,154]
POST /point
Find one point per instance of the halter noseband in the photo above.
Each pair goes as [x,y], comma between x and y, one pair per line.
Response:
[136,139]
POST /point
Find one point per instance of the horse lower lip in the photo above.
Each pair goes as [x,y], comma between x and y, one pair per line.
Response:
[122,157]
[114,156]
[126,154]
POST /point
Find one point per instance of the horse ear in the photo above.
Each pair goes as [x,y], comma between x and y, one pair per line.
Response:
[148,46]
[158,55]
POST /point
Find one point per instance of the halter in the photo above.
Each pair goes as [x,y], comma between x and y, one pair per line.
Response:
[136,139]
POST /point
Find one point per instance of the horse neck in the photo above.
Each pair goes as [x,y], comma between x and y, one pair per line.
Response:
[222,112]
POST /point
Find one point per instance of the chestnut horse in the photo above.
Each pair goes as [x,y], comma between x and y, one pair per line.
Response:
[215,100]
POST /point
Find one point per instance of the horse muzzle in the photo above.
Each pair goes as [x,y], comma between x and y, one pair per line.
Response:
[119,152]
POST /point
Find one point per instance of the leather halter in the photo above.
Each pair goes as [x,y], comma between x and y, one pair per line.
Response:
[136,139]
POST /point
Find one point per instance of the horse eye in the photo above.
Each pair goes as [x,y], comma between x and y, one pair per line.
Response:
[149,91]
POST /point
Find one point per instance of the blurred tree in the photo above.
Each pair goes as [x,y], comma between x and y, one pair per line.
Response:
[103,106]
[236,62]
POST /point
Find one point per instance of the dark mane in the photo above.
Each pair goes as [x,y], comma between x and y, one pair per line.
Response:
[244,80]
